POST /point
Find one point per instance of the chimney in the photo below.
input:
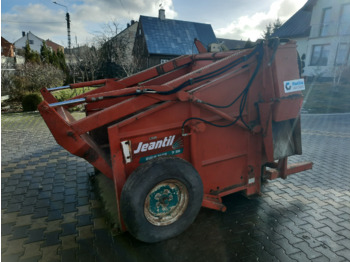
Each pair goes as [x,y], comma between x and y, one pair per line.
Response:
[161,14]
[23,34]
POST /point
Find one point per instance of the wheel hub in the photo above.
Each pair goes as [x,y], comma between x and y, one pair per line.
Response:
[166,202]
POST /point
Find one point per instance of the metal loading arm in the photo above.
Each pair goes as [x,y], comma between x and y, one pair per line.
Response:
[79,145]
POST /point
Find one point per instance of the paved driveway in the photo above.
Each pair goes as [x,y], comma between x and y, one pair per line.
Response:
[50,211]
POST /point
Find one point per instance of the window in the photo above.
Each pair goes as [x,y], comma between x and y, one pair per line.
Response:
[344,22]
[326,20]
[319,55]
[31,42]
[342,54]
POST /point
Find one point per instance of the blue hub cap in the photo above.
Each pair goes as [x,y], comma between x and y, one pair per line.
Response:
[166,202]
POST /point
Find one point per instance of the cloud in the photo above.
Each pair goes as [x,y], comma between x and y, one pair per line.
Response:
[252,27]
[107,10]
[21,19]
[87,18]
[95,17]
[289,6]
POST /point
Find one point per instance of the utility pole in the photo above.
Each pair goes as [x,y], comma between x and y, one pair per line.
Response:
[68,24]
[68,29]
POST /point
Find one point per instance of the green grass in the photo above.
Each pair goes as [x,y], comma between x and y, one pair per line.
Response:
[66,94]
[324,98]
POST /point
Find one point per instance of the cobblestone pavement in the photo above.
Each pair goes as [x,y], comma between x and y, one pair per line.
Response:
[50,212]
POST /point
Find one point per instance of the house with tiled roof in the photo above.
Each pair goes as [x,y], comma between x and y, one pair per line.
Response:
[53,46]
[35,43]
[322,31]
[232,44]
[7,55]
[7,48]
[159,39]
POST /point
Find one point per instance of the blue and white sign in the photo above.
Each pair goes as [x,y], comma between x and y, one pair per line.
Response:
[294,85]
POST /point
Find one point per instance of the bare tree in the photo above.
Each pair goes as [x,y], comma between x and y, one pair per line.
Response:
[109,55]
[7,73]
[83,63]
[116,49]
[31,77]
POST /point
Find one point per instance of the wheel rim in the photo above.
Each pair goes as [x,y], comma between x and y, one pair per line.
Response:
[166,202]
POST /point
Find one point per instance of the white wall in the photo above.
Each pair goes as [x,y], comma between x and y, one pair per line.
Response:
[7,62]
[302,45]
[35,46]
[332,38]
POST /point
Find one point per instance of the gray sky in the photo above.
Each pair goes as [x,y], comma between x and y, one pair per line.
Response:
[234,19]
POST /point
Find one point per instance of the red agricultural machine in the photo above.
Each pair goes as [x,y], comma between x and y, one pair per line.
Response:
[188,132]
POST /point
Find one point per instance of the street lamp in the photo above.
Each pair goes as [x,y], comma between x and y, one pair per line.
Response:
[68,23]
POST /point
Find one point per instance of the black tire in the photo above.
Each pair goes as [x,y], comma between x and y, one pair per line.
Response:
[161,199]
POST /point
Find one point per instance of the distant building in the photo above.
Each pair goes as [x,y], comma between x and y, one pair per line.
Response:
[322,31]
[126,40]
[122,60]
[232,44]
[8,60]
[53,46]
[117,54]
[159,39]
[7,49]
[35,43]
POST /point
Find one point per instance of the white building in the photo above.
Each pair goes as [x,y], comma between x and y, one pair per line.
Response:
[35,42]
[322,31]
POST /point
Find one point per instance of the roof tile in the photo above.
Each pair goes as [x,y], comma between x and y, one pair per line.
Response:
[175,37]
[297,26]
